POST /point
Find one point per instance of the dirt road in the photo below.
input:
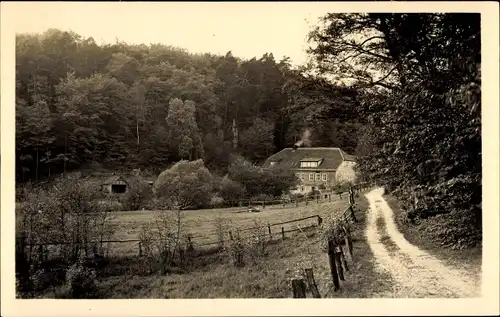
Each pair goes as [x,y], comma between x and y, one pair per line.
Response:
[415,273]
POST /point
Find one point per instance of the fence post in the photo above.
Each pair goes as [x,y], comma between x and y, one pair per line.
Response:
[333,267]
[317,199]
[283,233]
[296,202]
[307,201]
[338,262]
[351,208]
[140,248]
[351,196]
[329,197]
[312,283]
[231,235]
[298,288]
[190,247]
[320,221]
[269,230]
[342,258]
[348,242]
[263,205]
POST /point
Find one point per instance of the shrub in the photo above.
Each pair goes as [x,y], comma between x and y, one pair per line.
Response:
[67,214]
[138,194]
[238,247]
[262,197]
[222,227]
[187,184]
[81,280]
[273,182]
[162,203]
[231,191]
[163,241]
[331,229]
[258,240]
[346,174]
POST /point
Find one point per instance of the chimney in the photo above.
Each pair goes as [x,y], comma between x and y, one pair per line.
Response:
[297,145]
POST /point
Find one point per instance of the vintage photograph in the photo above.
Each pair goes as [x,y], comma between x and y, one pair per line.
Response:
[246,150]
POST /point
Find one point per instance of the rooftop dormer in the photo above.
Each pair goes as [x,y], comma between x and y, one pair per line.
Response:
[311,162]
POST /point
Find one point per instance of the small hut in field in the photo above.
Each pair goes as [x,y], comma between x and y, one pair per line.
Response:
[114,185]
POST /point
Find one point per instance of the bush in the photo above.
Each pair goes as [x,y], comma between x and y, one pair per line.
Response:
[222,228]
[162,203]
[138,194]
[258,240]
[262,197]
[81,280]
[273,182]
[67,215]
[237,247]
[163,241]
[186,184]
[231,191]
[332,229]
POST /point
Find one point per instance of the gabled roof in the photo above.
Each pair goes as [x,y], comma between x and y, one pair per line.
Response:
[114,180]
[348,157]
[289,158]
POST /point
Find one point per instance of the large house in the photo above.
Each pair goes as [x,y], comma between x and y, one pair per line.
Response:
[315,167]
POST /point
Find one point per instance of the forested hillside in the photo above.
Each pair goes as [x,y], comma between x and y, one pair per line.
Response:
[137,106]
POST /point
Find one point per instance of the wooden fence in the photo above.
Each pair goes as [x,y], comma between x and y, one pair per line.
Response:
[327,195]
[272,230]
[339,245]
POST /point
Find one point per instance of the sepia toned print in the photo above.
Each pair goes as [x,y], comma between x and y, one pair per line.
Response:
[149,170]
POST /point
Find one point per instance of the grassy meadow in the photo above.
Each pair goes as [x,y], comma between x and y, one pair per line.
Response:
[213,276]
[201,223]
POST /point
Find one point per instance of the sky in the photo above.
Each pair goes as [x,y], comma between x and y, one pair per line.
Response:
[248,29]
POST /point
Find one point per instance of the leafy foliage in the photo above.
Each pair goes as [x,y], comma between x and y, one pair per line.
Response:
[430,65]
[257,181]
[230,190]
[186,184]
[135,106]
[138,194]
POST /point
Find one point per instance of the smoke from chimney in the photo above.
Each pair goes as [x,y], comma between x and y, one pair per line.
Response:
[304,139]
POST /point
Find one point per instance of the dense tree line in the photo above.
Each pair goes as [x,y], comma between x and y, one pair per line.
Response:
[137,106]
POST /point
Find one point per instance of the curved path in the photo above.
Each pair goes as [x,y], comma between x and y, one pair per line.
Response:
[415,273]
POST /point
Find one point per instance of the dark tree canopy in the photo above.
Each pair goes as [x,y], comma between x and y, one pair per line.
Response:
[422,137]
[137,106]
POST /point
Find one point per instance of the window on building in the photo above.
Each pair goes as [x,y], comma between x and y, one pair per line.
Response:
[311,176]
[308,164]
[324,177]
[318,176]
